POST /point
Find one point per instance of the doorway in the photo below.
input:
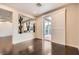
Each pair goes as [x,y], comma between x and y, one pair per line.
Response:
[47,27]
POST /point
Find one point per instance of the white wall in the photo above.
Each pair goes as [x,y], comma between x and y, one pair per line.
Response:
[78,26]
[58,26]
[5,29]
[72,25]
[38,28]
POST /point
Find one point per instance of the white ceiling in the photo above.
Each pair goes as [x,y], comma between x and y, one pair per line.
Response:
[32,9]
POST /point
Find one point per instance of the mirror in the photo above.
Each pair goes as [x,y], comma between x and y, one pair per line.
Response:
[26,24]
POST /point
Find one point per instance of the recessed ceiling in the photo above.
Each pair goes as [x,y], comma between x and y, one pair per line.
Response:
[33,9]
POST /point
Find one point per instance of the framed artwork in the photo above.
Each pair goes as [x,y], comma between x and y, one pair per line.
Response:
[26,24]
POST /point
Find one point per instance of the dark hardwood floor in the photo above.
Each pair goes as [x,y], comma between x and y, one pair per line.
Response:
[37,49]
[58,49]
